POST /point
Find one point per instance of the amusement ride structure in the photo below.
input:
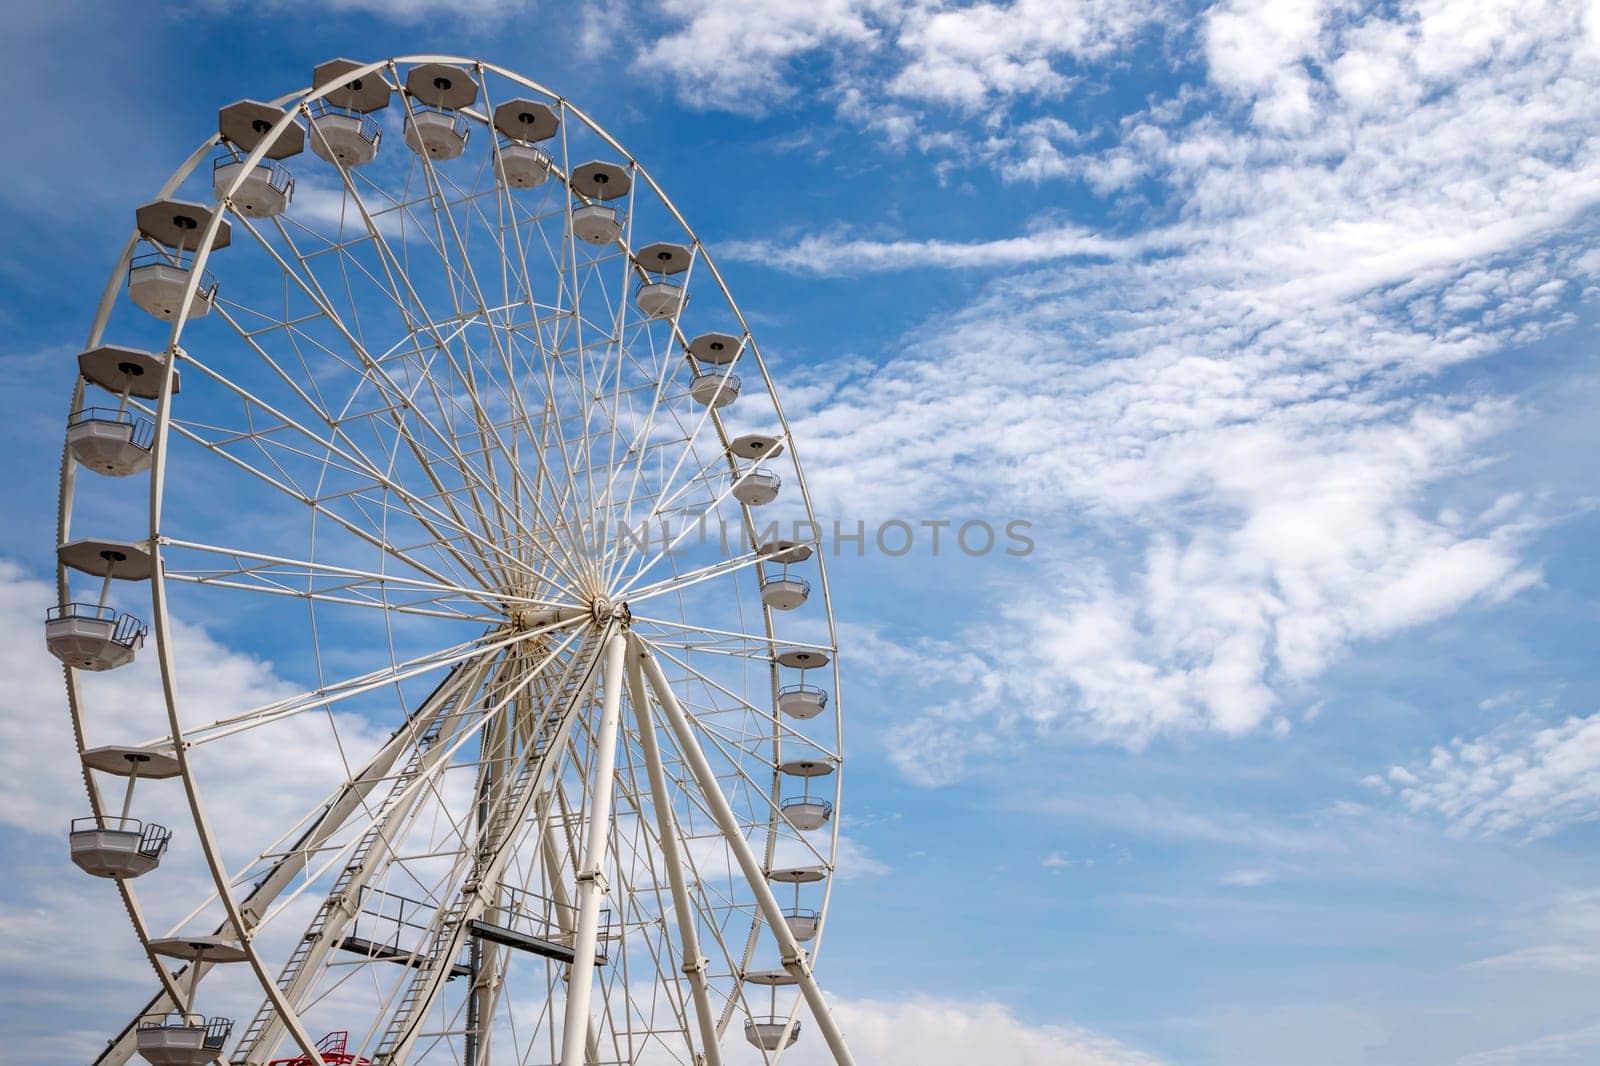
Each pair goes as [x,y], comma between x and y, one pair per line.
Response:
[423,391]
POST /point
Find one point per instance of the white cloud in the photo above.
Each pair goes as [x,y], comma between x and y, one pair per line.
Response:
[740,58]
[853,860]
[736,56]
[1260,509]
[840,254]
[937,1032]
[1523,777]
[1256,46]
[968,55]
[1230,429]
[1247,878]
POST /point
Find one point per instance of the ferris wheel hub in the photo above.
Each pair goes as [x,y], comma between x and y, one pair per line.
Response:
[604,610]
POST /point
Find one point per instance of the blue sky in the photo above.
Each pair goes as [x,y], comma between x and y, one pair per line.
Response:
[1274,318]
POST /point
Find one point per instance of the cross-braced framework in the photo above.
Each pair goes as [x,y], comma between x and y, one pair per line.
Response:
[442,407]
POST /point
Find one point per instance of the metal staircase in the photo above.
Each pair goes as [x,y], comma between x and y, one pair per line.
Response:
[451,927]
[340,902]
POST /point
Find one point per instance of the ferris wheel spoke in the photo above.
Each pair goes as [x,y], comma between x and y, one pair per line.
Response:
[328,694]
[501,688]
[470,288]
[615,351]
[369,531]
[671,364]
[530,371]
[423,511]
[767,717]
[680,582]
[720,640]
[410,305]
[323,582]
[693,522]
[693,962]
[698,474]
[643,447]
[663,497]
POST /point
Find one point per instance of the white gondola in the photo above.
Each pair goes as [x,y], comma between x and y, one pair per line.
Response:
[267,188]
[347,138]
[595,221]
[157,281]
[93,637]
[265,191]
[179,1038]
[806,813]
[802,923]
[797,875]
[756,488]
[437,132]
[785,593]
[520,162]
[661,293]
[660,298]
[117,847]
[186,1037]
[109,441]
[714,389]
[802,700]
[522,166]
[766,1033]
[342,129]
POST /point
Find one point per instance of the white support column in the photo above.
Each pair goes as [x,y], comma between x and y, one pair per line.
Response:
[592,878]
[558,893]
[694,964]
[794,959]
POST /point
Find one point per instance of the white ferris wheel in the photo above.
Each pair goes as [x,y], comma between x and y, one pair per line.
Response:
[427,391]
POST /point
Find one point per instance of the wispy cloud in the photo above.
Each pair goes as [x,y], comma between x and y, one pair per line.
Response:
[1239,449]
[740,58]
[1525,777]
[840,254]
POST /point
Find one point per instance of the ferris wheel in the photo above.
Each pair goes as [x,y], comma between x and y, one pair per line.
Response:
[427,393]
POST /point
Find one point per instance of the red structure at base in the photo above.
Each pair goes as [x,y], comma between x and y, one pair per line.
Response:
[332,1050]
